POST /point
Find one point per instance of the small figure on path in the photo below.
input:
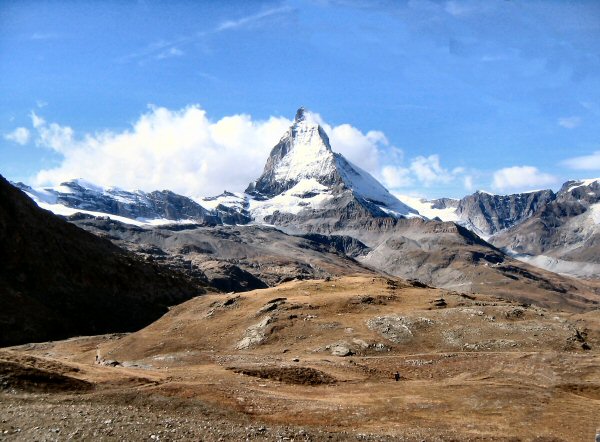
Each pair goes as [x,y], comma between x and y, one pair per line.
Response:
[397,376]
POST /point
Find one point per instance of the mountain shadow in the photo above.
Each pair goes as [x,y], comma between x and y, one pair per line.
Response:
[58,281]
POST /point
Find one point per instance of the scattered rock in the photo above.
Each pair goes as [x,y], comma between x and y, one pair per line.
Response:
[110,363]
[340,350]
[440,303]
[361,343]
[419,284]
[230,301]
[381,347]
[255,334]
[266,308]
[515,313]
[490,344]
[277,300]
[271,305]
[398,329]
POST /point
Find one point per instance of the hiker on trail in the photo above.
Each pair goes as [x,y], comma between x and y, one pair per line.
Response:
[97,356]
[397,376]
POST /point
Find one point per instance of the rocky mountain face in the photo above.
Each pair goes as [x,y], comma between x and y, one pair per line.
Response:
[234,258]
[438,253]
[554,231]
[486,214]
[302,174]
[302,153]
[57,280]
[564,234]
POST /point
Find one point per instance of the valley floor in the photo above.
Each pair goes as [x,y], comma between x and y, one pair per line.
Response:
[315,360]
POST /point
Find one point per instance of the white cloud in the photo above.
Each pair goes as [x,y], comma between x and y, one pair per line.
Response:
[172,48]
[465,8]
[569,122]
[20,136]
[429,171]
[395,177]
[468,183]
[421,171]
[170,53]
[585,162]
[178,150]
[361,149]
[54,136]
[36,120]
[522,178]
[245,21]
[186,152]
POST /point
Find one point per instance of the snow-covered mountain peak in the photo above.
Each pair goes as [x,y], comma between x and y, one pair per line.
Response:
[302,153]
[304,158]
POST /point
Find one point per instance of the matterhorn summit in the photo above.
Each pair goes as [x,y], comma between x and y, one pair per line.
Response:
[303,153]
[303,173]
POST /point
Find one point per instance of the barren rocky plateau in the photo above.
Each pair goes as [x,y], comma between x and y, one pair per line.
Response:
[315,360]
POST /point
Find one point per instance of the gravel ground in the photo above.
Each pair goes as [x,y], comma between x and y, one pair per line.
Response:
[55,417]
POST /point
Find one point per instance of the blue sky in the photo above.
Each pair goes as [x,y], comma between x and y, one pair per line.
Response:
[435,98]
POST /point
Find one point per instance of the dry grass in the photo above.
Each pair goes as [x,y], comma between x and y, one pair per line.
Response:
[472,367]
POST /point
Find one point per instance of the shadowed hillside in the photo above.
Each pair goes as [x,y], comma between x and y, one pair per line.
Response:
[57,280]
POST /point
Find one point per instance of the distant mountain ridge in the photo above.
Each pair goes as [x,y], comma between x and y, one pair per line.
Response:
[558,231]
[306,187]
[159,206]
[564,234]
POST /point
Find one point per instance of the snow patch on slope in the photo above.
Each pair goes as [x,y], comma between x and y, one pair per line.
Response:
[425,208]
[59,209]
[235,200]
[306,194]
[362,183]
[47,198]
[581,183]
